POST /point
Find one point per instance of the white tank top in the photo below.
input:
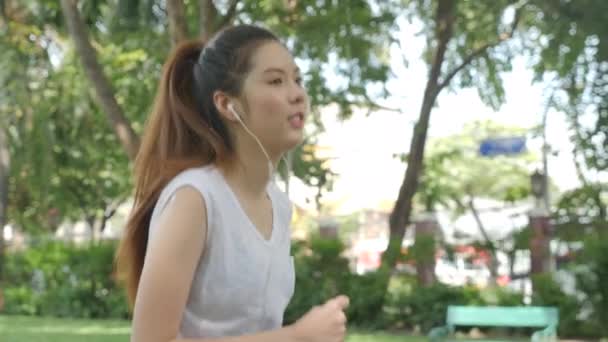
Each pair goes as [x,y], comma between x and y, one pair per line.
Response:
[243,282]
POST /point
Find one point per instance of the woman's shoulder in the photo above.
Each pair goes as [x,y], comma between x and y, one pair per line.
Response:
[199,177]
[198,172]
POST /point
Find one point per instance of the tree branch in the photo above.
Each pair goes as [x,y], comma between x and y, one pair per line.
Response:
[229,16]
[375,105]
[370,105]
[521,276]
[482,49]
[103,89]
[178,29]
[494,259]
[4,17]
[576,127]
[208,18]
[480,225]
[109,211]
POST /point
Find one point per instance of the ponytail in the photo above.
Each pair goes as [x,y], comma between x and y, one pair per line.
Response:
[176,137]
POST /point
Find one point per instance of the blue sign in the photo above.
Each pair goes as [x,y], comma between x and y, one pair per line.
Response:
[502,146]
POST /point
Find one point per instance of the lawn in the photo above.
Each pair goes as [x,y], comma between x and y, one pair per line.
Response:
[37,329]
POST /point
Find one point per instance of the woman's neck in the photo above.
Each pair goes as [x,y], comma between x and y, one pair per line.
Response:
[250,172]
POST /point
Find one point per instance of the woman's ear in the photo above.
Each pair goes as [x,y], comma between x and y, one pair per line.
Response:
[223,103]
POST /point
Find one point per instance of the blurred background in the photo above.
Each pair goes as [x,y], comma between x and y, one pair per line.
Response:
[457,155]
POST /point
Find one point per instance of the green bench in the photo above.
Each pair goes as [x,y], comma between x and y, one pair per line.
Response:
[518,316]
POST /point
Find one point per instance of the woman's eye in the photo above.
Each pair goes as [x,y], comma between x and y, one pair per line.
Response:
[299,80]
[276,81]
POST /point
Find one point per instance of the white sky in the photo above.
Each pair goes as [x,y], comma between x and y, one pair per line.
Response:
[369,177]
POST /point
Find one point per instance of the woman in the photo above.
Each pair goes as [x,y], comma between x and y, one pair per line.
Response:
[206,252]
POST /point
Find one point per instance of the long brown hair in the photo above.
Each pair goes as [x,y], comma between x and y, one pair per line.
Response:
[184,129]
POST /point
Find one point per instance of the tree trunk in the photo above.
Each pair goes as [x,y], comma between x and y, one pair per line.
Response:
[511,256]
[576,152]
[400,216]
[103,89]
[493,252]
[207,18]
[540,251]
[211,21]
[93,226]
[108,213]
[426,229]
[178,24]
[4,172]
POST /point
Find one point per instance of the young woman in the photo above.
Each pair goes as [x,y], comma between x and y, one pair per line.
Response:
[206,251]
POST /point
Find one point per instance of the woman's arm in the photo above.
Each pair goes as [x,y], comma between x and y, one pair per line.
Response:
[171,258]
[326,323]
[173,253]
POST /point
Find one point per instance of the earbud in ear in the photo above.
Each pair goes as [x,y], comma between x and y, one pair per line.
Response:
[231,108]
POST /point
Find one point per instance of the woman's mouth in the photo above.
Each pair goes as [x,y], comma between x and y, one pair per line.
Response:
[296,120]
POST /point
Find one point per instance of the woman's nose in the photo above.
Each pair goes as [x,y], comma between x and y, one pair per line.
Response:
[297,94]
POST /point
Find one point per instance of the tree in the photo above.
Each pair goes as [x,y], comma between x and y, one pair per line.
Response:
[455,177]
[569,41]
[103,88]
[64,163]
[464,48]
[13,93]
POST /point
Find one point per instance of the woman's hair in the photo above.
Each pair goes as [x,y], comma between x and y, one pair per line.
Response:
[184,129]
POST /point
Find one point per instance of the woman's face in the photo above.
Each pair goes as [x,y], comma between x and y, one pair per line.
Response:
[276,101]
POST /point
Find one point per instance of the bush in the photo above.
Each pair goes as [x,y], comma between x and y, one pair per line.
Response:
[423,308]
[64,280]
[20,301]
[322,273]
[501,296]
[592,277]
[366,295]
[546,292]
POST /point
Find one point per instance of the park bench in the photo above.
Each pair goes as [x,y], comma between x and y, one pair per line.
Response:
[546,318]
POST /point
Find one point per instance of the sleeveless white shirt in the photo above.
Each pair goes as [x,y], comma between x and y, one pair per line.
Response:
[243,282]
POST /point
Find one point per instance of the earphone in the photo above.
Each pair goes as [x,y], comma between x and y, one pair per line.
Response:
[231,109]
[240,120]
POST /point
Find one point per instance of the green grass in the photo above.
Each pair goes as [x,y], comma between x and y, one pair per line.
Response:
[45,329]
[382,337]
